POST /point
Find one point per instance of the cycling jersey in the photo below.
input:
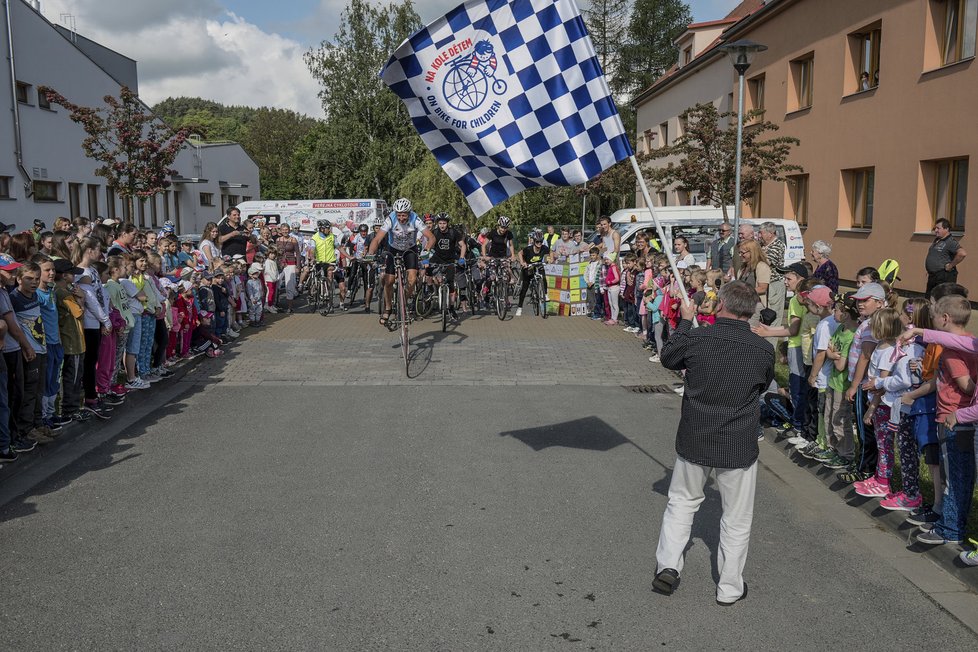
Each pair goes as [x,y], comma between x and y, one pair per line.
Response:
[325,247]
[497,243]
[359,244]
[446,245]
[403,236]
[530,256]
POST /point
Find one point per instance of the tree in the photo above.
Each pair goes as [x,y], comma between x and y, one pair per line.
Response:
[649,48]
[271,139]
[707,154]
[367,132]
[134,148]
[606,20]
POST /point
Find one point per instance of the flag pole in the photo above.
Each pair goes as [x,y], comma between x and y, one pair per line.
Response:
[665,239]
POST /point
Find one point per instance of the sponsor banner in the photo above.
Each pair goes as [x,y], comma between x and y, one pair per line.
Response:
[568,293]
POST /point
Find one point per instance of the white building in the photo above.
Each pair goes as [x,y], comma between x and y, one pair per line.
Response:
[43,171]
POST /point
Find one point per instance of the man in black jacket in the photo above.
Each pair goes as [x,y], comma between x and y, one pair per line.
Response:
[727,368]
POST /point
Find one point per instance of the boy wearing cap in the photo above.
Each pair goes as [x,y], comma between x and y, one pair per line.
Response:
[819,301]
[70,304]
[256,292]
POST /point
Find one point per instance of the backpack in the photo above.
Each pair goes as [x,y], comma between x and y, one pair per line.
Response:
[889,271]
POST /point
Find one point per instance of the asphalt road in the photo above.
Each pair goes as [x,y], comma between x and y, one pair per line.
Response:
[294,495]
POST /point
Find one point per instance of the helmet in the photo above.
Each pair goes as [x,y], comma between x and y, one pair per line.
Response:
[889,271]
[443,217]
[323,224]
[427,218]
[168,227]
[536,235]
[363,227]
[503,221]
[402,205]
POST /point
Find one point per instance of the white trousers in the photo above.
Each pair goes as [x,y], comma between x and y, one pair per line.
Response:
[685,496]
[291,288]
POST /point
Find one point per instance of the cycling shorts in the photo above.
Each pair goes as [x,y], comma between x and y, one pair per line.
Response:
[448,270]
[410,259]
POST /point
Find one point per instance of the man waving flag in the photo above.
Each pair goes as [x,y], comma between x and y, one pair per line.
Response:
[509,95]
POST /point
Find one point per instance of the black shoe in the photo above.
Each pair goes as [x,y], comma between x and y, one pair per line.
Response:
[96,411]
[453,315]
[112,399]
[23,446]
[9,456]
[61,420]
[666,581]
[81,415]
[743,596]
[366,310]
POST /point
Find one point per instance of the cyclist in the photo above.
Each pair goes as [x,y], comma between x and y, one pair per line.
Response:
[367,272]
[449,248]
[324,247]
[535,252]
[498,245]
[400,231]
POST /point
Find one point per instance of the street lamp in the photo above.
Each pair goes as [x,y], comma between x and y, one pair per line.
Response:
[741,55]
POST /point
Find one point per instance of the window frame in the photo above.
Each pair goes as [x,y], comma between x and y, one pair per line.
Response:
[963,11]
[5,185]
[861,208]
[803,80]
[755,91]
[874,37]
[209,199]
[23,93]
[951,195]
[49,185]
[664,134]
[798,195]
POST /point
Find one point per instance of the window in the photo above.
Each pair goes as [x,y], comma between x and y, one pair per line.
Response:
[648,136]
[46,190]
[74,199]
[23,93]
[682,198]
[246,198]
[958,36]
[950,191]
[142,212]
[5,187]
[755,92]
[662,196]
[802,77]
[687,55]
[798,197]
[869,59]
[206,199]
[153,216]
[92,200]
[176,210]
[859,185]
[166,206]
[109,202]
[42,101]
[126,209]
[233,200]
[664,134]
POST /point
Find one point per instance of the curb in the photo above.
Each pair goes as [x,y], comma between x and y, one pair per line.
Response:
[945,556]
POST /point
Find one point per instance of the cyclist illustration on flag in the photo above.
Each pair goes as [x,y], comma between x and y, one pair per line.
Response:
[467,83]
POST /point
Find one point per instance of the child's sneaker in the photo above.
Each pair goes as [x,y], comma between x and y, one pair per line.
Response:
[923,515]
[8,456]
[872,488]
[837,462]
[900,502]
[824,455]
[970,557]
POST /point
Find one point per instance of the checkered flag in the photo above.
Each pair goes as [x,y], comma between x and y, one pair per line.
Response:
[509,95]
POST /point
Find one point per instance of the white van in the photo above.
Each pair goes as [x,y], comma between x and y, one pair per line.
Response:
[699,227]
[346,214]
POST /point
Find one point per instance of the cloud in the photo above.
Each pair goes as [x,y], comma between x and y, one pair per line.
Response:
[183,52]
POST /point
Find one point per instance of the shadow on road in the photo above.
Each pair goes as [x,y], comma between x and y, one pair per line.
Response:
[423,347]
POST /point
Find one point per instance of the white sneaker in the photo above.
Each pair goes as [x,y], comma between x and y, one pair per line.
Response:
[802,444]
[797,439]
[149,379]
[519,312]
[271,309]
[233,334]
[137,383]
[654,358]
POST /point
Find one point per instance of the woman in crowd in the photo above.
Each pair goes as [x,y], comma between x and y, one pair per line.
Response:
[825,269]
[208,245]
[681,246]
[754,269]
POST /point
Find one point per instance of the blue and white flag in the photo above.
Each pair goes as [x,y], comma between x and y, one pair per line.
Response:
[509,95]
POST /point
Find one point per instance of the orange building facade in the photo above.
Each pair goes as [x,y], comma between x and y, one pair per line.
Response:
[883,96]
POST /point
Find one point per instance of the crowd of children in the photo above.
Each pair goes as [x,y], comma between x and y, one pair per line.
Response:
[874,382]
[90,313]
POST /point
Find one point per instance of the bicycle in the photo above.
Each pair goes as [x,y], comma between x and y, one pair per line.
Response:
[321,288]
[538,290]
[445,291]
[399,308]
[498,286]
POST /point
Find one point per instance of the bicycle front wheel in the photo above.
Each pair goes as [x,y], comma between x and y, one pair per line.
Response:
[402,314]
[315,294]
[502,300]
[542,291]
[327,293]
[443,296]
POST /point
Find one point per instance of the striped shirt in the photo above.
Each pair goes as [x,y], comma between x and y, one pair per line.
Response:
[727,368]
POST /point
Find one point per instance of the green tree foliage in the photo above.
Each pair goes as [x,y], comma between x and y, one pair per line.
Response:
[707,156]
[367,132]
[606,21]
[648,49]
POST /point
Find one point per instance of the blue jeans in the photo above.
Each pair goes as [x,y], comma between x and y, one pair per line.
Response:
[220,324]
[631,315]
[598,304]
[958,461]
[52,382]
[798,388]
[4,407]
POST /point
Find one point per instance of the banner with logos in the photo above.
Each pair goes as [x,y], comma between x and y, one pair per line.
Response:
[568,292]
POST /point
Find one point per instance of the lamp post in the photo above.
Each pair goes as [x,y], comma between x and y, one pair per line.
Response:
[741,54]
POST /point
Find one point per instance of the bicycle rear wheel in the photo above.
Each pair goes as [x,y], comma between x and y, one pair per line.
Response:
[443,296]
[327,293]
[315,293]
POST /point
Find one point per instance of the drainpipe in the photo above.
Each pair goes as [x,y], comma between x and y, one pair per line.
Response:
[18,141]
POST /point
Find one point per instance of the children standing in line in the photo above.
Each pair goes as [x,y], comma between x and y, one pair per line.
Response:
[69,302]
[256,291]
[887,379]
[271,273]
[819,304]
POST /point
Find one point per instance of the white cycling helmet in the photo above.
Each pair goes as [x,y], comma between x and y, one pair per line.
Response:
[503,221]
[402,205]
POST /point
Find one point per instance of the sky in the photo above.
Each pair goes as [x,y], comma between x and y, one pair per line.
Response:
[234,51]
